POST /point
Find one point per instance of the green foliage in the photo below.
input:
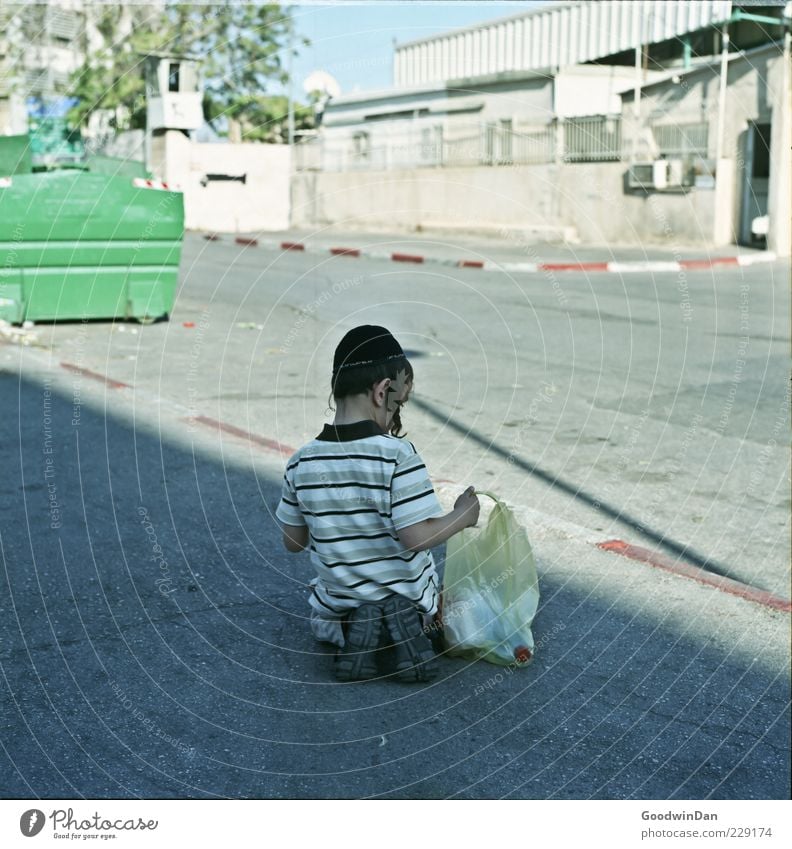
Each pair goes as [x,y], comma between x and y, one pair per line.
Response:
[260,117]
[113,78]
[239,49]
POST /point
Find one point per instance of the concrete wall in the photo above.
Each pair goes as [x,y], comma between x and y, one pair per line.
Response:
[593,201]
[466,198]
[261,203]
[545,201]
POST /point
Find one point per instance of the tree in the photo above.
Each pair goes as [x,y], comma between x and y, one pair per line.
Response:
[239,46]
[112,78]
[260,118]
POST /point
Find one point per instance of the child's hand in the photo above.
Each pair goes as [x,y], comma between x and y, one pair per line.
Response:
[468,505]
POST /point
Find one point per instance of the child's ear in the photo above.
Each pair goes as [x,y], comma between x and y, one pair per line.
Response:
[380,391]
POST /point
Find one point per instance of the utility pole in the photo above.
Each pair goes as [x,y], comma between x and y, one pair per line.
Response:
[636,103]
[724,71]
[149,90]
[290,65]
[50,84]
[724,167]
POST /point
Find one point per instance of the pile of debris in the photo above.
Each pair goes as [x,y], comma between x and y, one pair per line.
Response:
[24,335]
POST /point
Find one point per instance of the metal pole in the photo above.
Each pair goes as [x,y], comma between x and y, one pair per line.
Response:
[50,84]
[724,176]
[147,148]
[636,103]
[724,69]
[148,71]
[291,84]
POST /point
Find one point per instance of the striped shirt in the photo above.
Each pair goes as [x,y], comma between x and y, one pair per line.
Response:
[355,487]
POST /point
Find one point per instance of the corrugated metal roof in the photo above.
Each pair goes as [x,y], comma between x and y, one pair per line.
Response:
[552,36]
[772,47]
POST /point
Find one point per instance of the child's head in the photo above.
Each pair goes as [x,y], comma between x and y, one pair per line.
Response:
[369,362]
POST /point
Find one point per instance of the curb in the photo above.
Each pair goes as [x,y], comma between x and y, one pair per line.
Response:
[702,576]
[655,559]
[613,546]
[614,267]
[93,375]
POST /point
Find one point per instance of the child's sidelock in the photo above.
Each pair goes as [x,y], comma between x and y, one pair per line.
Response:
[358,497]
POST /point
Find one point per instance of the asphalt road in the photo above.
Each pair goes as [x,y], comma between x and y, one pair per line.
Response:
[662,398]
[153,639]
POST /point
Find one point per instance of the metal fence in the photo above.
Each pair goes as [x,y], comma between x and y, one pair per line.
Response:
[682,141]
[430,147]
[595,138]
[592,139]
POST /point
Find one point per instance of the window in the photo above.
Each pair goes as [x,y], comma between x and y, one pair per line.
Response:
[361,146]
[173,76]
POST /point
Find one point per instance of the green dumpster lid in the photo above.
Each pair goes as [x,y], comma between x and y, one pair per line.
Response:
[15,155]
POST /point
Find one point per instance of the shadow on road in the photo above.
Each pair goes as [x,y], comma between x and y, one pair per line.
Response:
[609,510]
[153,643]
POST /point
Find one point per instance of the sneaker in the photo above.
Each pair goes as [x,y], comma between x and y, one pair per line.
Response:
[357,660]
[435,631]
[414,656]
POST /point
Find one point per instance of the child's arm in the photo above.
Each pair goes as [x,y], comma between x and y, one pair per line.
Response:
[295,538]
[432,532]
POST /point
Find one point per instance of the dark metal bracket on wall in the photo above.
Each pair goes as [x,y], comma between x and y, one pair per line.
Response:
[212,178]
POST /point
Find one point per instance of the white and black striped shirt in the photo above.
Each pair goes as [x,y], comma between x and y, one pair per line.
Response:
[354,487]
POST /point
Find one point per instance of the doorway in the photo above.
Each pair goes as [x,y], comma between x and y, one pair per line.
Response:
[755,183]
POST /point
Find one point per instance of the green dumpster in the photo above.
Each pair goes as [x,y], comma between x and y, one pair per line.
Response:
[16,155]
[77,244]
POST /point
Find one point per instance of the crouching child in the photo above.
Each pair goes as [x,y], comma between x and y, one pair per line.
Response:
[359,498]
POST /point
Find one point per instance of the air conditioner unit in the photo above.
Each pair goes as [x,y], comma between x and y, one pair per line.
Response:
[661,175]
[679,174]
[641,175]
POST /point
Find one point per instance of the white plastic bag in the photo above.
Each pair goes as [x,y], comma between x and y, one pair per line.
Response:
[491,591]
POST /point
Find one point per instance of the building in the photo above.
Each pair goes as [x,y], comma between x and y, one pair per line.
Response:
[41,45]
[585,97]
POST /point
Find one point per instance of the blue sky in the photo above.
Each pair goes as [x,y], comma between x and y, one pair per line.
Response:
[353,41]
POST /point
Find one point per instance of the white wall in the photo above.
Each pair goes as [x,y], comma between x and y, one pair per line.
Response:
[545,201]
[261,203]
[466,198]
[590,90]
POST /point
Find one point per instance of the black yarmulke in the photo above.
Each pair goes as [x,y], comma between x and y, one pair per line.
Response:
[365,346]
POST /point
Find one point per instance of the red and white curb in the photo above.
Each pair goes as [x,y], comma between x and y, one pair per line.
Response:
[695,573]
[93,375]
[614,546]
[633,267]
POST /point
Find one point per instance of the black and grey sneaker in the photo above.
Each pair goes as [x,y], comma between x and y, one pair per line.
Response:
[357,660]
[413,652]
[436,634]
